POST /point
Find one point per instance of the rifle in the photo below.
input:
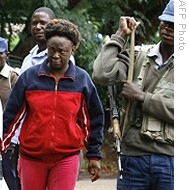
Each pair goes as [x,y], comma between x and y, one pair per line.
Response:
[113,109]
[115,128]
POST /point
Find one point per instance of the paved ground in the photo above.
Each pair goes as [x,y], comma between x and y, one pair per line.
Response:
[84,183]
[101,184]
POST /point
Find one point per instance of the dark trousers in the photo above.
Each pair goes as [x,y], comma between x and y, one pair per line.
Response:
[9,166]
[152,172]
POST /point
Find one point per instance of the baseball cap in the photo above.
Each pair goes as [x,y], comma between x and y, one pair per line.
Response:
[3,45]
[168,13]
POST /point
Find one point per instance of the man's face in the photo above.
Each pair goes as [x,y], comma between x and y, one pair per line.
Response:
[38,24]
[3,59]
[166,31]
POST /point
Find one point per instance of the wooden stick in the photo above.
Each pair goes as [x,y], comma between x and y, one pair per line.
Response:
[132,52]
[129,77]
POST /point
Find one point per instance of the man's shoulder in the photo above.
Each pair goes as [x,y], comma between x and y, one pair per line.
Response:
[7,70]
[31,53]
[144,47]
[14,70]
[143,50]
[13,75]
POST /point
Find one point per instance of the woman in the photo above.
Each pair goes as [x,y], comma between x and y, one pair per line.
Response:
[63,114]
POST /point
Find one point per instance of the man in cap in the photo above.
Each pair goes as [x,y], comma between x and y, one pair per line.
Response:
[147,142]
[8,77]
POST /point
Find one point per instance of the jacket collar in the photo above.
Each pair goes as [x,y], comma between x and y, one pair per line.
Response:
[70,73]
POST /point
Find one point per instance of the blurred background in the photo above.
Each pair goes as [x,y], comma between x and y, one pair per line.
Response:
[96,20]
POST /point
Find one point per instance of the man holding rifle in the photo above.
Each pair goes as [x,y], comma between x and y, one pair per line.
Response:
[147,139]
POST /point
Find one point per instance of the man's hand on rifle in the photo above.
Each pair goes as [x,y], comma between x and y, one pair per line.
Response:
[94,169]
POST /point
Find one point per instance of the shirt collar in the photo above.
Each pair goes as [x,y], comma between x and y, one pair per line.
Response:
[156,55]
[5,71]
[154,52]
[34,50]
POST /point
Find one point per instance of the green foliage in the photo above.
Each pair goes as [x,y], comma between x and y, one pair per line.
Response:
[56,4]
[86,52]
[144,11]
[14,42]
[17,11]
[91,17]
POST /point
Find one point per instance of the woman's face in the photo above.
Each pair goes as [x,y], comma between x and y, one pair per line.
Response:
[59,52]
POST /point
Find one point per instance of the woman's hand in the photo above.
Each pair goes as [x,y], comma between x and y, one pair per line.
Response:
[94,169]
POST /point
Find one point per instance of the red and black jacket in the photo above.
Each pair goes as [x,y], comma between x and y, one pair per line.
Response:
[60,118]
